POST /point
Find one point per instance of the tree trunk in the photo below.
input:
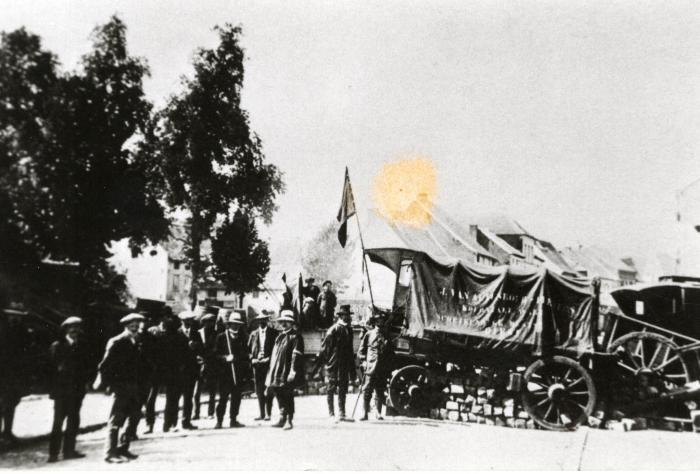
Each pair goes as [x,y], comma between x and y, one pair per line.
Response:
[195,259]
[240,299]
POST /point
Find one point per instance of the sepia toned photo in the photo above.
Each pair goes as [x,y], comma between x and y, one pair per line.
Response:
[349,235]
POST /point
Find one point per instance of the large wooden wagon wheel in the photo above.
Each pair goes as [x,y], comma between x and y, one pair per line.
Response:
[409,390]
[650,365]
[558,393]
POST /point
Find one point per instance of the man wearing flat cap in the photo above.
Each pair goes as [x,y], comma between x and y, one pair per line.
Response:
[232,353]
[337,351]
[286,368]
[326,305]
[208,373]
[260,344]
[72,371]
[118,374]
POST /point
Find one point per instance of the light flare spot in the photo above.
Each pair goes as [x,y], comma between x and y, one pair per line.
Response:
[404,191]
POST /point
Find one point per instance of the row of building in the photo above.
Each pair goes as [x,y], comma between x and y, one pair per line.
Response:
[162,272]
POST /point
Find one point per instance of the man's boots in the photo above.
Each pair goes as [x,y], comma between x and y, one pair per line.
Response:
[341,405]
[290,425]
[281,422]
[367,408]
[379,410]
[331,409]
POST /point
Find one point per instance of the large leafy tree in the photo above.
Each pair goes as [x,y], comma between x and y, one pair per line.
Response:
[323,258]
[240,258]
[212,162]
[72,177]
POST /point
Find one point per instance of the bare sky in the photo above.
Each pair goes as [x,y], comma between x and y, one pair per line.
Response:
[579,119]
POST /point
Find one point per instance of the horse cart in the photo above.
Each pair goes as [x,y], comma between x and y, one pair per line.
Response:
[542,336]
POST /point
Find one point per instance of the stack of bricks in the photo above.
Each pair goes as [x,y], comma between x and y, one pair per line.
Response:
[315,380]
[481,396]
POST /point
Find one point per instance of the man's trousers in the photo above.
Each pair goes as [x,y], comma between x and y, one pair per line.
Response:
[172,399]
[264,401]
[227,390]
[124,403]
[65,408]
[285,400]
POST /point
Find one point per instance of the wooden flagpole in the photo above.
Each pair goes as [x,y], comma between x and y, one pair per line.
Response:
[362,243]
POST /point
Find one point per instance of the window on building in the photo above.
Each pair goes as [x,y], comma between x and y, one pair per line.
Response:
[176,265]
[211,293]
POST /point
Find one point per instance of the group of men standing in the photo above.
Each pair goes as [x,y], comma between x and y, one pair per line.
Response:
[338,353]
[180,360]
[184,358]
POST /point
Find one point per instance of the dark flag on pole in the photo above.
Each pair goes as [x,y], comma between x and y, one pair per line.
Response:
[347,210]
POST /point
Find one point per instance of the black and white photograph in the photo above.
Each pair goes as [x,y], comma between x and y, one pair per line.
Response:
[349,235]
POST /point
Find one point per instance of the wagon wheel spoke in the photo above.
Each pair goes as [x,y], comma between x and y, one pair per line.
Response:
[576,382]
[542,402]
[627,367]
[585,392]
[549,410]
[672,359]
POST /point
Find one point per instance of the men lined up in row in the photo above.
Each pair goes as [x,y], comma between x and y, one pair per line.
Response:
[273,359]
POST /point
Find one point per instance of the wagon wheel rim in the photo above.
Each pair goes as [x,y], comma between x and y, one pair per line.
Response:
[558,393]
[652,356]
[408,389]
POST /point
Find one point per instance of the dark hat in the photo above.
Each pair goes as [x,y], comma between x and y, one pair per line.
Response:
[344,309]
[327,281]
[310,280]
[130,318]
[378,315]
[208,317]
[71,321]
[16,309]
[264,314]
[286,315]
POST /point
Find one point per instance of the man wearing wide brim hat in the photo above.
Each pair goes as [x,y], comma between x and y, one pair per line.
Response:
[260,344]
[375,352]
[286,368]
[337,351]
[71,373]
[232,354]
[118,373]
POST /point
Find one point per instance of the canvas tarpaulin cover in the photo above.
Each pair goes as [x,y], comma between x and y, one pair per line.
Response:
[503,307]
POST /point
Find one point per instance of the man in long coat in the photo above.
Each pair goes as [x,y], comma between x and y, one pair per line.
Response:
[169,350]
[208,372]
[144,375]
[190,368]
[232,354]
[286,369]
[375,352]
[72,372]
[260,344]
[118,374]
[337,351]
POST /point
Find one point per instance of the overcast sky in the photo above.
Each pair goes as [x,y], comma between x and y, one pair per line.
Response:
[578,119]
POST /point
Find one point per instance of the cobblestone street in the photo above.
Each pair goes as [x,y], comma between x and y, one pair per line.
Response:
[396,443]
